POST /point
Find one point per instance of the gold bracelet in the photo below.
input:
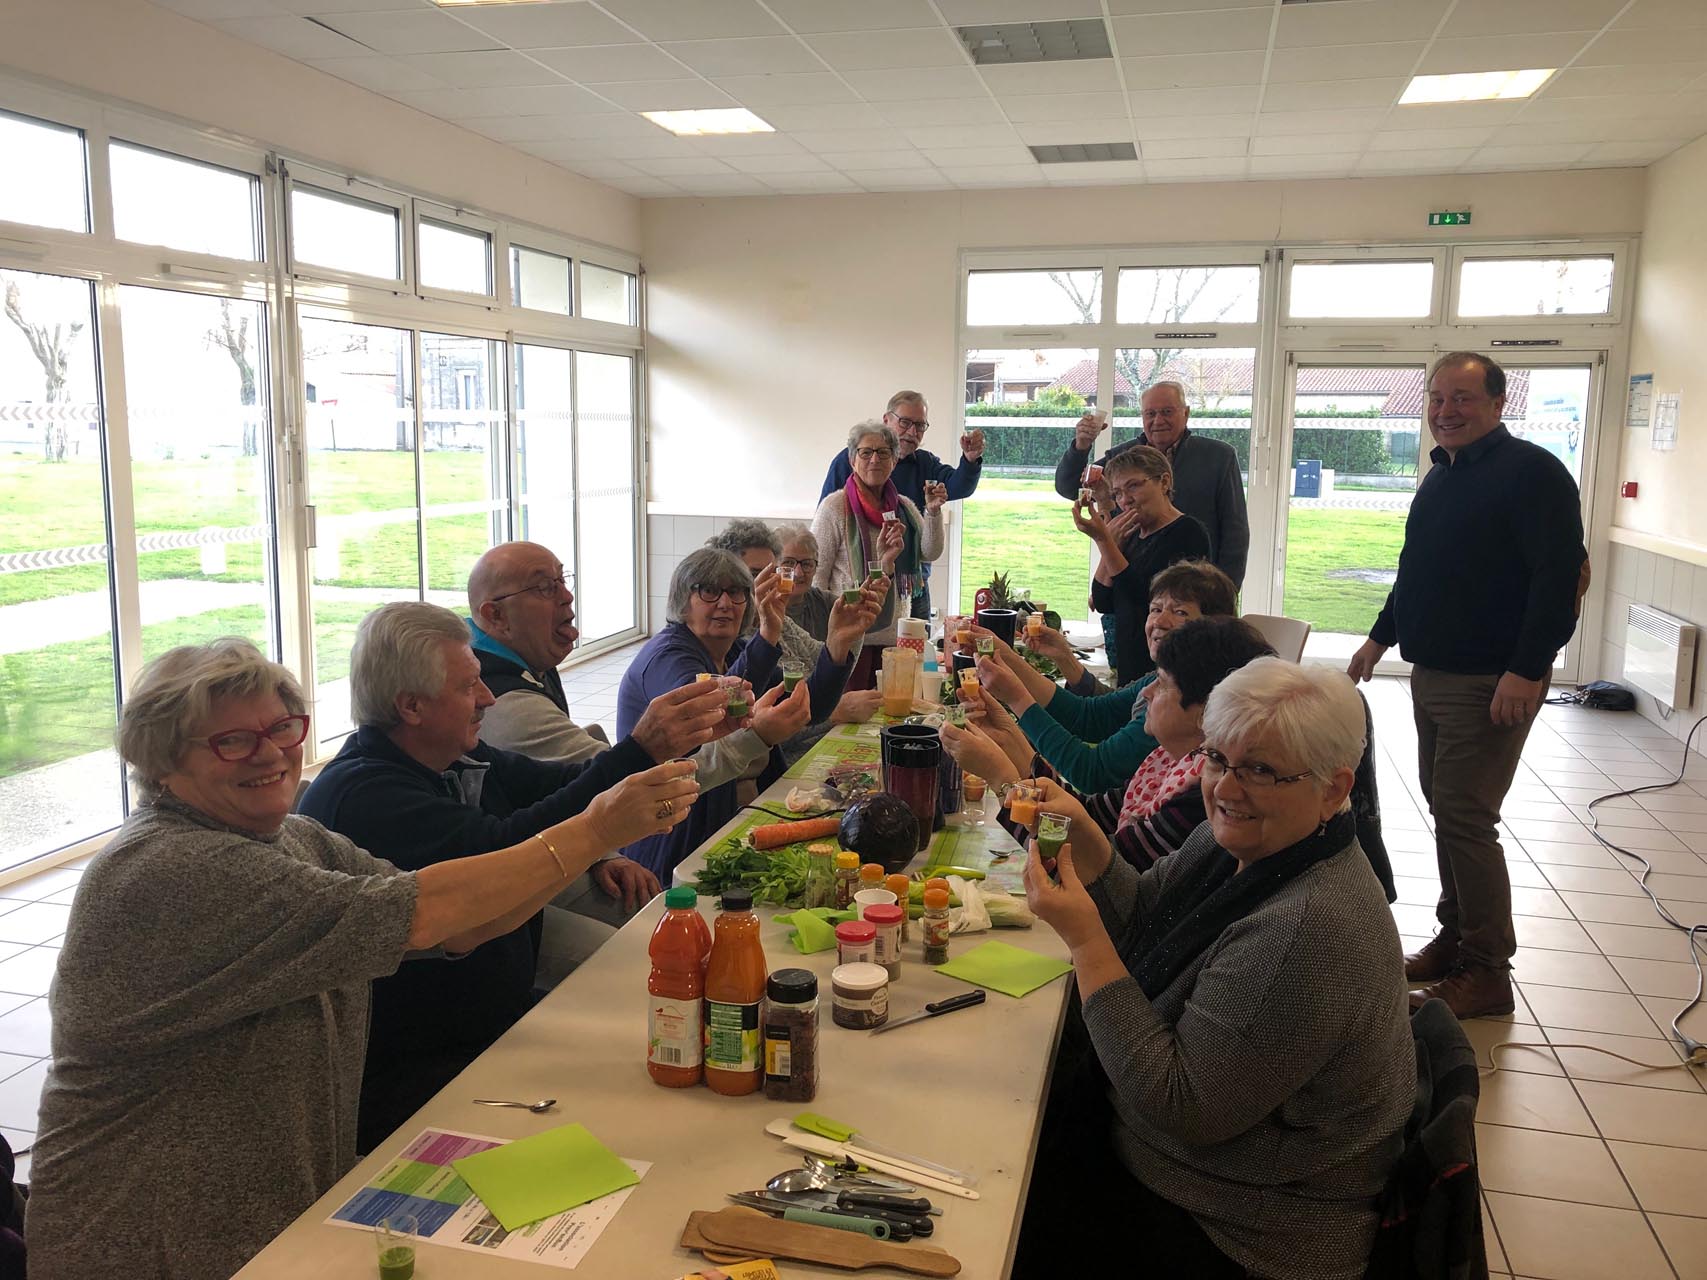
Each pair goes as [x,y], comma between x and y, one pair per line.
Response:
[549,848]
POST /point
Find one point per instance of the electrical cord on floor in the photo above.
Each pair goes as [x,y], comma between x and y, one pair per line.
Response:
[1543,1046]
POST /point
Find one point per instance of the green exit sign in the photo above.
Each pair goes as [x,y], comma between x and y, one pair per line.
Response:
[1450,218]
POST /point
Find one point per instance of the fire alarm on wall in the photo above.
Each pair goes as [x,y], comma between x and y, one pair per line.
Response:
[1627,489]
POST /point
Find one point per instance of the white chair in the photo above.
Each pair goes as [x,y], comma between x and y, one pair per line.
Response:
[1287,635]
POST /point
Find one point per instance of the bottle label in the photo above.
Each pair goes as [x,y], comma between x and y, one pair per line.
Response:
[779,1053]
[937,931]
[673,1033]
[732,1036]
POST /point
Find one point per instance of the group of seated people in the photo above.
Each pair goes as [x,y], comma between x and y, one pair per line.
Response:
[257,987]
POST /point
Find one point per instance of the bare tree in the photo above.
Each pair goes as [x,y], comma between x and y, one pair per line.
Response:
[233,338]
[52,348]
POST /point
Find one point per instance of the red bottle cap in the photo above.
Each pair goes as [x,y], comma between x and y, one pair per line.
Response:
[880,914]
[857,931]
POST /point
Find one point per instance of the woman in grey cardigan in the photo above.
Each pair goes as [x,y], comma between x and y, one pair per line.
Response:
[211,1007]
[1245,1009]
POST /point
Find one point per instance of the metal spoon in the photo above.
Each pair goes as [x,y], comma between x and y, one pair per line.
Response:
[544,1104]
[791,1180]
[847,1175]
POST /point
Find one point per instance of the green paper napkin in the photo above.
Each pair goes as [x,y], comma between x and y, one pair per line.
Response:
[1013,971]
[812,933]
[533,1178]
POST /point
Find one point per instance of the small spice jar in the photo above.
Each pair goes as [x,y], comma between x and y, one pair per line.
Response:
[856,942]
[902,887]
[871,875]
[847,880]
[887,920]
[790,1023]
[859,996]
[935,926]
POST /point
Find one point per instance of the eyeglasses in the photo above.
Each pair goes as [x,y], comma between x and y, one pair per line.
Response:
[911,424]
[1160,413]
[238,746]
[788,563]
[546,590]
[1255,777]
[866,455]
[711,595]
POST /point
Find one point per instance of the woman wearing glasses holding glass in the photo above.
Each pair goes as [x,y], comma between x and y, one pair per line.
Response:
[210,1011]
[868,528]
[713,598]
[1238,1097]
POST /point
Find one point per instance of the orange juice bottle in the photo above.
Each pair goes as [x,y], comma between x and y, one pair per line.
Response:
[675,1052]
[734,987]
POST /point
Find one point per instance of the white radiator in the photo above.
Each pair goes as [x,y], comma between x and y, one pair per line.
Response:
[1659,655]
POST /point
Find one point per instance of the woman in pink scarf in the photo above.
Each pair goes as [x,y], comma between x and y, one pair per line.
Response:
[869,527]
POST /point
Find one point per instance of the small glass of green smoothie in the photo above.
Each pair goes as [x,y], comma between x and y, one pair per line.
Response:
[395,1238]
[793,672]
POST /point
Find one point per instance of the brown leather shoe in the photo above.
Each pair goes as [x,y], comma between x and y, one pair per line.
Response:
[1438,958]
[1471,992]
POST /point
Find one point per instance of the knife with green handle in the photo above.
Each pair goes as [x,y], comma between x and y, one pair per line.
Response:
[876,1228]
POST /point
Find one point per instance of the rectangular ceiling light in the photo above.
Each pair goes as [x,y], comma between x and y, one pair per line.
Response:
[1474,86]
[692,124]
[1079,152]
[1069,41]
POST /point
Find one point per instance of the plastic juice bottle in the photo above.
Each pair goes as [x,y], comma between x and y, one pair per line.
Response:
[734,988]
[674,1035]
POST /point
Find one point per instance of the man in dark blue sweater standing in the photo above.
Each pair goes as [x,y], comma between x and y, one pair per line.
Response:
[1486,596]
[909,418]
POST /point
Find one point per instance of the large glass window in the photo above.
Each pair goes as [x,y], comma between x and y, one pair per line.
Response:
[196,392]
[1220,389]
[464,494]
[607,294]
[605,450]
[59,774]
[167,200]
[1361,290]
[1034,297]
[539,281]
[1190,295]
[345,234]
[1535,286]
[47,182]
[455,258]
[545,388]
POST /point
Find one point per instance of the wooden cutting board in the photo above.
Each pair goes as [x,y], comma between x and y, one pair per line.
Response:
[736,1231]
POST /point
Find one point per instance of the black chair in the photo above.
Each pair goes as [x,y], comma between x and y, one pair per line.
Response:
[1431,1210]
[1366,806]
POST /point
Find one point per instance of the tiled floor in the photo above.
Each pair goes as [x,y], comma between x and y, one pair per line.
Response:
[1593,1168]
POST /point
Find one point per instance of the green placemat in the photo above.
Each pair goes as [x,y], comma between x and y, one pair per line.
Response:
[533,1178]
[1013,971]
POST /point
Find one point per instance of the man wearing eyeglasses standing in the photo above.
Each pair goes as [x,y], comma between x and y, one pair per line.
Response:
[1486,595]
[1207,482]
[909,418]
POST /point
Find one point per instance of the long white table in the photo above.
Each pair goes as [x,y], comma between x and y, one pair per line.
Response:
[966,1090]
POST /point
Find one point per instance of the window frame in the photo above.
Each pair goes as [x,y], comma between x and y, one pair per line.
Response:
[313,274]
[1438,256]
[497,271]
[1618,251]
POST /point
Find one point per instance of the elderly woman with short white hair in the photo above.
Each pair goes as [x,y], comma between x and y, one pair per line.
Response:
[868,528]
[1250,1066]
[210,1011]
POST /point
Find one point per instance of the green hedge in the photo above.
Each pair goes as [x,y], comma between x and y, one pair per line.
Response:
[1347,452]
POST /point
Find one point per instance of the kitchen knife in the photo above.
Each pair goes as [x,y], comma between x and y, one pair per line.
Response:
[936,1010]
[876,1228]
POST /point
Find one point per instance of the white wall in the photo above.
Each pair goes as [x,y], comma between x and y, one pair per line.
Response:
[130,50]
[775,324]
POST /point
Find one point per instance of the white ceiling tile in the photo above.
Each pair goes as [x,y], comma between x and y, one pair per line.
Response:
[519,128]
[962,135]
[1194,127]
[718,184]
[1304,144]
[667,95]
[1217,31]
[680,166]
[292,36]
[1588,82]
[1394,163]
[1616,48]
[1541,133]
[1451,115]
[605,170]
[1429,139]
[1333,95]
[1221,101]
[1121,7]
[1502,53]
[1194,149]
[973,157]
[897,179]
[839,15]
[1193,170]
[1069,106]
[1192,70]
[994,175]
[1367,22]
[225,10]
[848,161]
[930,114]
[376,73]
[624,149]
[613,63]
[1047,133]
[804,90]
[1626,106]
[1683,128]
[807,183]
[746,144]
[319,8]
[826,116]
[1270,123]
[693,19]
[1529,17]
[608,124]
[1629,152]
[652,188]
[1664,15]
[1319,166]
[880,50]
[762,164]
[761,55]
[529,100]
[1018,79]
[547,26]
[1560,153]
[1331,62]
[965,13]
[487,69]
[944,82]
[1095,170]
[822,140]
[414,31]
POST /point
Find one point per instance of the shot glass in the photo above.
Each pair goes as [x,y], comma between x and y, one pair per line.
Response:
[785,579]
[853,595]
[889,517]
[1052,832]
[735,690]
[972,789]
[395,1238]
[986,646]
[1033,623]
[793,672]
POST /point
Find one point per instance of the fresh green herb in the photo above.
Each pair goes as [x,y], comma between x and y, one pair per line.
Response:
[777,877]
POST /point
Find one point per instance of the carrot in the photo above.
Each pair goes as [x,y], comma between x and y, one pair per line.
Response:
[778,834]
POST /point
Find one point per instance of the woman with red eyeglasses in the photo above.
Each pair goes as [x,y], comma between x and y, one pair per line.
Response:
[210,1010]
